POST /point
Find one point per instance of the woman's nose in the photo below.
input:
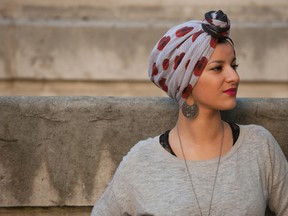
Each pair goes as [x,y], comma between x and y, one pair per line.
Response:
[232,76]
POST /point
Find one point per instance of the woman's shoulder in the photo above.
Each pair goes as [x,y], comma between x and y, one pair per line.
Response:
[255,131]
[143,147]
[258,138]
[141,151]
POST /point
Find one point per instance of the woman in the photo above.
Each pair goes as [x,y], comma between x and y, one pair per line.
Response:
[202,166]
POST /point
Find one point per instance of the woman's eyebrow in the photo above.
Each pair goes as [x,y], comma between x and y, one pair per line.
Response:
[221,61]
[216,61]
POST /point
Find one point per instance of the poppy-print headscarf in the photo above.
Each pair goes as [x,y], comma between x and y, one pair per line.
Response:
[178,59]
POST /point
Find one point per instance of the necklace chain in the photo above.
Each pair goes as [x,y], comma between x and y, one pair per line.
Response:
[189,174]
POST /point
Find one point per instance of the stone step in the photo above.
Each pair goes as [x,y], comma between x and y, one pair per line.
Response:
[124,88]
[120,51]
[151,10]
[111,40]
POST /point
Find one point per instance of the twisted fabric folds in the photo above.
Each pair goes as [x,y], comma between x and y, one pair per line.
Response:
[178,59]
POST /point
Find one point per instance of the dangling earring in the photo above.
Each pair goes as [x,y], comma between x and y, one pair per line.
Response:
[190,111]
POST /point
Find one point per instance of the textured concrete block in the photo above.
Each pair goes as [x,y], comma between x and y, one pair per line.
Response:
[121,53]
[260,51]
[149,10]
[59,151]
[62,150]
[93,40]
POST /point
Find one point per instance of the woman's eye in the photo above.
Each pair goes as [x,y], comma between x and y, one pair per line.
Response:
[218,68]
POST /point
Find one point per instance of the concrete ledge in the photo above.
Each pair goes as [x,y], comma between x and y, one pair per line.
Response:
[94,51]
[46,211]
[62,151]
[149,10]
[111,40]
[123,88]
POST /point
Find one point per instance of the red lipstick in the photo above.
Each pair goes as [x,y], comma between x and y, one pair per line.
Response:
[231,91]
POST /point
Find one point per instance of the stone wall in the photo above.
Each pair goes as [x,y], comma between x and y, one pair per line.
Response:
[62,151]
[48,44]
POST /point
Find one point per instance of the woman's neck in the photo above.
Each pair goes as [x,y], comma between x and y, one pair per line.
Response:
[201,138]
[203,129]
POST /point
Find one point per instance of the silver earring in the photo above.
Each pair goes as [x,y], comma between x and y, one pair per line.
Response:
[190,111]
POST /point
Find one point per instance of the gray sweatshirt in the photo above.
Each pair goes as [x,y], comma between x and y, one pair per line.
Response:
[151,181]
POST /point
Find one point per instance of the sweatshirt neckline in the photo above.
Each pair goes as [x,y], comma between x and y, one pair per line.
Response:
[224,157]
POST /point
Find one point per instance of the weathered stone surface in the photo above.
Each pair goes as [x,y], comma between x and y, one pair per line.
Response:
[59,151]
[123,88]
[91,40]
[62,151]
[149,10]
[46,211]
[121,53]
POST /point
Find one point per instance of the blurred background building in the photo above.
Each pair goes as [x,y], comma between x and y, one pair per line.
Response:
[101,47]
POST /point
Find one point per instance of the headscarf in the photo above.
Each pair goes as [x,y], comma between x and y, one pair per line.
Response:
[178,59]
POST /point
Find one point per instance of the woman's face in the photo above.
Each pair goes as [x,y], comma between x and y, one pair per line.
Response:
[217,86]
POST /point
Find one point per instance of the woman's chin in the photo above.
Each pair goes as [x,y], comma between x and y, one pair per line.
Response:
[229,105]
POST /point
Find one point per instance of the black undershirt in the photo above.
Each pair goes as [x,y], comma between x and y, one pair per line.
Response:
[164,138]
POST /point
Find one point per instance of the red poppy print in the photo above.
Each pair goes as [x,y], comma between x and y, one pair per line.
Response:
[213,42]
[163,42]
[200,65]
[183,31]
[154,70]
[195,36]
[162,84]
[178,60]
[165,64]
[187,91]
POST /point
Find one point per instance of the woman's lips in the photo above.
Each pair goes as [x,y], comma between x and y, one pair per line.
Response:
[231,91]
